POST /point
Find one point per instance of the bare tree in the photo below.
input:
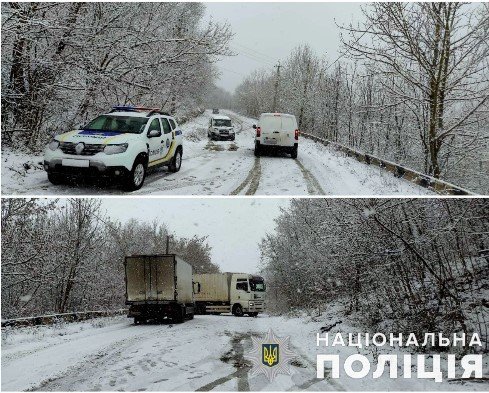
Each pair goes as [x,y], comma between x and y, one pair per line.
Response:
[438,49]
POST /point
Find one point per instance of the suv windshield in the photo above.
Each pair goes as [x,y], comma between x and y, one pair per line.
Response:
[125,124]
[222,123]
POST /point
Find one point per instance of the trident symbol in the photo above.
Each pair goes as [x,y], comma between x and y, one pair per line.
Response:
[269,355]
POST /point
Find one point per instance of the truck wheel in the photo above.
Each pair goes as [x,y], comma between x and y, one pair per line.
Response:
[176,162]
[135,178]
[179,315]
[190,316]
[293,153]
[257,149]
[238,310]
[55,178]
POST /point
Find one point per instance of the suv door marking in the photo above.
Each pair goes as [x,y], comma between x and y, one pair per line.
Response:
[169,154]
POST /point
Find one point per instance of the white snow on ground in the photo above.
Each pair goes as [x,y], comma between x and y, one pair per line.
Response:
[225,167]
[112,354]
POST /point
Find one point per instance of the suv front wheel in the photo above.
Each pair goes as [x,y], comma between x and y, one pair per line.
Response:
[176,162]
[135,178]
[55,178]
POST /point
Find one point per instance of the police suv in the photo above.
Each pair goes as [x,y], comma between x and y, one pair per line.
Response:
[121,144]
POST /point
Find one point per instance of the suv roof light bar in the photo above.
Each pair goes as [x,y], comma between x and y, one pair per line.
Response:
[130,108]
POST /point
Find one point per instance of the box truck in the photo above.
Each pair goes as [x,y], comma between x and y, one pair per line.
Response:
[239,293]
[158,287]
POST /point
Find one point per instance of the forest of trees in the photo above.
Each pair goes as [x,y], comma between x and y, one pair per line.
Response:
[395,265]
[411,85]
[64,256]
[64,63]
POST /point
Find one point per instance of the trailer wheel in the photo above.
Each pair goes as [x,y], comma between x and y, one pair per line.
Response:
[252,314]
[139,320]
[179,315]
[238,310]
[190,316]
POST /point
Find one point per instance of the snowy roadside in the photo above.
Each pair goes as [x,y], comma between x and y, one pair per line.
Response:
[114,354]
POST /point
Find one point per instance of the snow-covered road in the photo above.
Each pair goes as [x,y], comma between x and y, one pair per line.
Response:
[203,354]
[228,168]
[206,353]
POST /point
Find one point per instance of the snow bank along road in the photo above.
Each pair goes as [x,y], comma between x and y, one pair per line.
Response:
[114,354]
[229,168]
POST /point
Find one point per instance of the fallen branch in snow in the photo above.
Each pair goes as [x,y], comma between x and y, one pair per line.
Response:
[327,328]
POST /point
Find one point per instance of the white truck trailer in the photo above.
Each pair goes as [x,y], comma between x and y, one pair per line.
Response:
[239,293]
[158,287]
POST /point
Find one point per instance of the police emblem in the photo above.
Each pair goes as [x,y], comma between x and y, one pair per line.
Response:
[270,356]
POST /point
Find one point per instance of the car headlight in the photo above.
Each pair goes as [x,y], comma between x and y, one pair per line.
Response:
[116,149]
[53,145]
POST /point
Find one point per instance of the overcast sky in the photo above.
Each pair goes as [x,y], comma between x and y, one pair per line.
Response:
[267,32]
[234,226]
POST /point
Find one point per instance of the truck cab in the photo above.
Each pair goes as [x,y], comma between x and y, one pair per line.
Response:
[247,294]
[237,293]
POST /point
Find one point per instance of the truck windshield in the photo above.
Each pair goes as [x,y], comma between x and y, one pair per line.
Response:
[124,124]
[222,123]
[257,285]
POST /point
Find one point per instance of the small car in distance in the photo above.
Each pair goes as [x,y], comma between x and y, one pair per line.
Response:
[221,127]
[277,131]
[121,145]
[215,111]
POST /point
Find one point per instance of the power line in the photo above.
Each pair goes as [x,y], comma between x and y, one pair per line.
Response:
[234,72]
[254,57]
[255,51]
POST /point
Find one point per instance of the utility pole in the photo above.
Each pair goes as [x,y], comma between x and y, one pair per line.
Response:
[275,94]
[179,32]
[167,244]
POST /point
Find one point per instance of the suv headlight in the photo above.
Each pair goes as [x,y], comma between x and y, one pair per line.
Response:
[53,145]
[116,149]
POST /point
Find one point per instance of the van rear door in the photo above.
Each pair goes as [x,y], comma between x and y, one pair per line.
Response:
[271,126]
[289,125]
[278,129]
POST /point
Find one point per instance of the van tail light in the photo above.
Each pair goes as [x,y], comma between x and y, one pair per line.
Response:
[258,132]
[296,135]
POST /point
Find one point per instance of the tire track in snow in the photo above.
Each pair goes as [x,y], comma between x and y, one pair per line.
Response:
[21,354]
[310,365]
[79,371]
[253,179]
[313,186]
[234,355]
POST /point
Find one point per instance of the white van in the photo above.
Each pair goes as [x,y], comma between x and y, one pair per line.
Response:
[276,131]
[220,127]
